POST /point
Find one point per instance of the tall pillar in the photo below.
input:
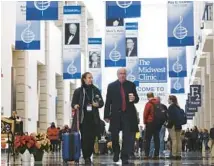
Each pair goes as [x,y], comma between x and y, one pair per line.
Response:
[211,91]
[43,101]
[60,101]
[21,72]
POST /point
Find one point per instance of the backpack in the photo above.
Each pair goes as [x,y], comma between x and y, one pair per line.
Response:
[160,114]
[181,118]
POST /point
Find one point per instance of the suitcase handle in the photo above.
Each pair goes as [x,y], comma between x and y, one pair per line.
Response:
[78,124]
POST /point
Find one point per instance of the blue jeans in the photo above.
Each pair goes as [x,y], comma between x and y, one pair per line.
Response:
[162,135]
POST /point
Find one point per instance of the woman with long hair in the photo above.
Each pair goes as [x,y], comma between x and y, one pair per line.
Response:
[174,130]
[88,99]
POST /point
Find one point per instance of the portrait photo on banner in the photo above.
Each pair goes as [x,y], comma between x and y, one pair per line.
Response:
[115,22]
[94,59]
[72,33]
[131,47]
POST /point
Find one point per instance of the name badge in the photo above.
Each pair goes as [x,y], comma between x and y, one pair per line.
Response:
[89,108]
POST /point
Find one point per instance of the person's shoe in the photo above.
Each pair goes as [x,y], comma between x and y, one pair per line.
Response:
[146,158]
[116,157]
[125,162]
[156,158]
[173,158]
[178,157]
[88,161]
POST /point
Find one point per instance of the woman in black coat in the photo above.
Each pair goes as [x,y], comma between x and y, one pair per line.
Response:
[88,99]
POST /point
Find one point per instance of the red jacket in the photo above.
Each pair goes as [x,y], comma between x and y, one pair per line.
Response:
[148,115]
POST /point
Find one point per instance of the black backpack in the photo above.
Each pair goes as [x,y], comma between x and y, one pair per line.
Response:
[160,114]
[181,118]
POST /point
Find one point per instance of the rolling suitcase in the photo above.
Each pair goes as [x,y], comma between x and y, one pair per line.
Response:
[71,145]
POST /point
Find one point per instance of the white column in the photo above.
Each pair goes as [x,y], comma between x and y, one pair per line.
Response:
[21,71]
[211,89]
[60,101]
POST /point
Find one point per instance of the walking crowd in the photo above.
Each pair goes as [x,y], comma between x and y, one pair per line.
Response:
[149,142]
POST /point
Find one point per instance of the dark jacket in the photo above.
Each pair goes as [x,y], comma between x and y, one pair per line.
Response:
[114,102]
[79,98]
[212,133]
[172,117]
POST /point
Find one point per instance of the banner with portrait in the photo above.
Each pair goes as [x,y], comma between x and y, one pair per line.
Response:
[115,54]
[94,53]
[42,10]
[27,32]
[177,62]
[131,39]
[71,42]
[177,85]
[180,23]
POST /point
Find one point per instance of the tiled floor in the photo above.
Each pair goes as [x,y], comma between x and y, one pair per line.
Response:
[56,159]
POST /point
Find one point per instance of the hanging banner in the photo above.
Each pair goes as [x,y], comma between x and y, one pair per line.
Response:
[177,85]
[115,55]
[190,107]
[71,42]
[132,67]
[123,9]
[94,53]
[131,39]
[94,60]
[42,10]
[195,95]
[153,70]
[27,32]
[180,23]
[177,62]
[160,89]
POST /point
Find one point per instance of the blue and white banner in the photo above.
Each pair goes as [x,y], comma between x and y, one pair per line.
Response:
[115,46]
[94,53]
[42,10]
[132,66]
[177,85]
[123,9]
[180,23]
[27,32]
[71,42]
[195,95]
[177,62]
[72,64]
[153,70]
[132,39]
[97,78]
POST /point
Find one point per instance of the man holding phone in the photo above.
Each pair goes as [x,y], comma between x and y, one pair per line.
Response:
[121,113]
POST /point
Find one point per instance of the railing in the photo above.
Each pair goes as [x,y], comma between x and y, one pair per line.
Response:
[208,12]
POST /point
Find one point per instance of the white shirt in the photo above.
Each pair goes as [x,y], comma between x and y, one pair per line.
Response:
[70,39]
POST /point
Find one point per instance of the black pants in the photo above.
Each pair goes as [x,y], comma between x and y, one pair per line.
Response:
[127,143]
[152,130]
[53,146]
[87,129]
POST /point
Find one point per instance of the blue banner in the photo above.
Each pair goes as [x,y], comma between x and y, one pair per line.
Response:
[180,23]
[72,64]
[153,70]
[27,32]
[97,78]
[177,62]
[177,85]
[95,41]
[123,9]
[190,106]
[115,54]
[71,42]
[42,10]
[195,95]
[132,65]
[131,40]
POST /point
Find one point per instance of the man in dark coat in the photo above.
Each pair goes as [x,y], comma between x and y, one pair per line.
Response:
[121,113]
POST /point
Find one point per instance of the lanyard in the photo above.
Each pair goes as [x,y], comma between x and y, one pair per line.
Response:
[88,96]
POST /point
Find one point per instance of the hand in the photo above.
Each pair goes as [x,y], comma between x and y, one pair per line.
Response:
[107,120]
[76,106]
[131,98]
[95,104]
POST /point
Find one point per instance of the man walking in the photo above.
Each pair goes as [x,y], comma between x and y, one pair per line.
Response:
[121,113]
